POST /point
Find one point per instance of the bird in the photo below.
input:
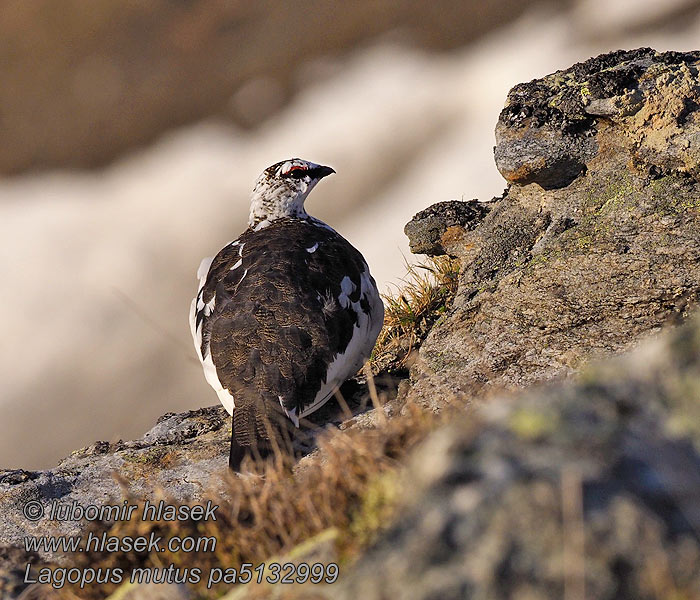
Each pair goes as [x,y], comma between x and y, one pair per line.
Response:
[284,314]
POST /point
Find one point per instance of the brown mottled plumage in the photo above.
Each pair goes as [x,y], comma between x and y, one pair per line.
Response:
[284,314]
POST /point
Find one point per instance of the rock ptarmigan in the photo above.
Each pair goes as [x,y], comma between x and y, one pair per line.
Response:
[284,314]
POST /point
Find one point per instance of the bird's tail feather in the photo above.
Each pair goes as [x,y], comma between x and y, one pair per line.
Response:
[260,429]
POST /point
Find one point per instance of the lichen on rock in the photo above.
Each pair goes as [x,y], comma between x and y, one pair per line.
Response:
[499,497]
[548,131]
[560,271]
[435,230]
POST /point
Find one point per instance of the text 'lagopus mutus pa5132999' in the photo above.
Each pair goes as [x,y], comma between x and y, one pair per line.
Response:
[284,314]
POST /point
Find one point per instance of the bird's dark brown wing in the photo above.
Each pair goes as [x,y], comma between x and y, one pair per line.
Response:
[285,304]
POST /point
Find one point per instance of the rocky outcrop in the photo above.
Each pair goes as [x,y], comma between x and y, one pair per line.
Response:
[428,228]
[637,103]
[590,489]
[596,242]
[180,457]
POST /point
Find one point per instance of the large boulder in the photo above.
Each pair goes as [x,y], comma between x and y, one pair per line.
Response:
[594,245]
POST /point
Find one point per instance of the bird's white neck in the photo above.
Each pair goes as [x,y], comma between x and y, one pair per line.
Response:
[270,202]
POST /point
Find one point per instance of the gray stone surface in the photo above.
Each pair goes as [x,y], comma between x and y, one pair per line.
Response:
[427,229]
[553,277]
[183,454]
[591,486]
[179,459]
[552,128]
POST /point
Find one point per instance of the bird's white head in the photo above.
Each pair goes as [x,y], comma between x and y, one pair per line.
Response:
[281,190]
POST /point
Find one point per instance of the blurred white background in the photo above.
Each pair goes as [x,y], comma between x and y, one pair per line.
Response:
[98,266]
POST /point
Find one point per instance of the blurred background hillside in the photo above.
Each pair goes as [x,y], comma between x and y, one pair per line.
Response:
[131,133]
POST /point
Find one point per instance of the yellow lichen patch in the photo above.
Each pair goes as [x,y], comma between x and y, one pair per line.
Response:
[452,236]
[531,424]
[375,512]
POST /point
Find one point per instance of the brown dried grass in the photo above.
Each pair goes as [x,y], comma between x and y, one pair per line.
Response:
[426,293]
[272,508]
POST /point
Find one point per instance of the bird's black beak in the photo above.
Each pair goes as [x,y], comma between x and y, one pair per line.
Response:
[321,172]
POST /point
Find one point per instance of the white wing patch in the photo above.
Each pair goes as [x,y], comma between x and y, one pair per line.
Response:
[198,305]
[203,270]
[347,287]
[212,378]
[291,414]
[243,276]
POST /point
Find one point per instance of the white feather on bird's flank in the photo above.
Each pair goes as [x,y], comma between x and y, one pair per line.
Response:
[212,378]
[210,374]
[203,270]
[347,287]
[243,276]
[198,304]
[291,414]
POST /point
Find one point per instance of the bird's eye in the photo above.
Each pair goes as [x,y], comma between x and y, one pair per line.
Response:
[297,173]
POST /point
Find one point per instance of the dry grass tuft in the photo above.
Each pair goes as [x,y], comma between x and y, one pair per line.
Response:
[350,484]
[426,294]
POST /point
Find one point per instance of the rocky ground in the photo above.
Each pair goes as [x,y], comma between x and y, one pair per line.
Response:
[589,489]
[574,487]
[593,248]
